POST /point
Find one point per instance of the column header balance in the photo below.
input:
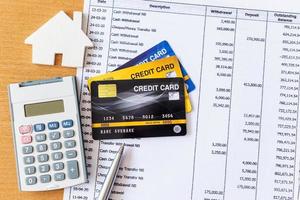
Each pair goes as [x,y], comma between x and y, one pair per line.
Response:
[281,17]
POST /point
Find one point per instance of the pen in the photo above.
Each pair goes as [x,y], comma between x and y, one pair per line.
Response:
[110,177]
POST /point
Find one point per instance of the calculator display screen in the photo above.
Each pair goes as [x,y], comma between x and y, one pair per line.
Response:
[44,108]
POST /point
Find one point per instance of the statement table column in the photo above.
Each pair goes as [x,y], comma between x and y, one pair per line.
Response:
[278,138]
[215,93]
[245,110]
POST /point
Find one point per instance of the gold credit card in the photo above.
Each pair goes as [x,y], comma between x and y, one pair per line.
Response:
[163,68]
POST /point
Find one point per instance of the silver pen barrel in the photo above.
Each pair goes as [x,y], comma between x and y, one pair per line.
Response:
[110,177]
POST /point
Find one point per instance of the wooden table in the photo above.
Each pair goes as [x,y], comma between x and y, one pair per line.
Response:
[18,19]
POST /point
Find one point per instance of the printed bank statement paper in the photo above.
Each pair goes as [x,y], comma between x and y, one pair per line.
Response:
[242,140]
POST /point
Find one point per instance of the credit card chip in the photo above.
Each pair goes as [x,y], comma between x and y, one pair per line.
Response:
[107,90]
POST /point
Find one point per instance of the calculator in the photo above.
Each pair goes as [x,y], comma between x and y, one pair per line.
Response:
[47,134]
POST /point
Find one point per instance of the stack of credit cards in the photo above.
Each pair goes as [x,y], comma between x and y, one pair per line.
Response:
[146,97]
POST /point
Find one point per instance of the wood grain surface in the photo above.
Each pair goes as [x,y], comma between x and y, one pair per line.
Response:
[18,19]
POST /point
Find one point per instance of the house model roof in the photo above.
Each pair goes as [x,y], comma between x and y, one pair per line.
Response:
[60,28]
[60,35]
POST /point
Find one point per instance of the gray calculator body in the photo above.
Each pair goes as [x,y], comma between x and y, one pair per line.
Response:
[47,134]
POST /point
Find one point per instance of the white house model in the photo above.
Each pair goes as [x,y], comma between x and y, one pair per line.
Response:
[60,35]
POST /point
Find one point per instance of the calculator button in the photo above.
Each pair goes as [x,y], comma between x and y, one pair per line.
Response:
[58,166]
[69,133]
[67,123]
[44,168]
[31,180]
[45,178]
[26,139]
[55,145]
[57,156]
[30,170]
[72,169]
[40,137]
[43,158]
[53,125]
[28,160]
[70,144]
[54,135]
[59,176]
[71,154]
[41,147]
[27,149]
[39,127]
[25,129]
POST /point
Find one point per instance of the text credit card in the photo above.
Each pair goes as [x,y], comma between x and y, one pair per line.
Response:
[159,51]
[163,68]
[138,108]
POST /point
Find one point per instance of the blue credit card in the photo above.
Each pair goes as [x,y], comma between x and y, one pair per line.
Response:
[159,51]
